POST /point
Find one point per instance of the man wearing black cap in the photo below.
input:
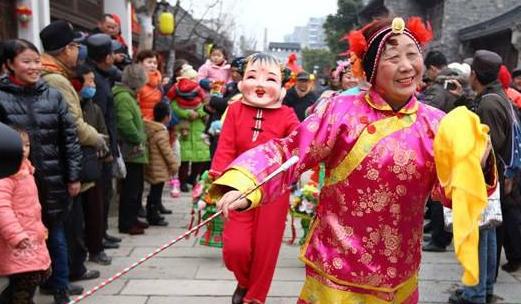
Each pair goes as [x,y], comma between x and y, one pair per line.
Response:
[100,57]
[494,110]
[59,62]
[301,96]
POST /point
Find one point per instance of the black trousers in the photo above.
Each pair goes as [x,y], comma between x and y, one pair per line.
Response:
[213,145]
[93,210]
[154,201]
[131,196]
[22,287]
[75,233]
[508,235]
[512,233]
[105,183]
[189,172]
[440,237]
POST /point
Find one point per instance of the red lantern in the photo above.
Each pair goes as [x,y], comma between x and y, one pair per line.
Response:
[24,14]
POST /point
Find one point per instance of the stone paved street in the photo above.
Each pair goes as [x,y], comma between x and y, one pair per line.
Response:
[189,273]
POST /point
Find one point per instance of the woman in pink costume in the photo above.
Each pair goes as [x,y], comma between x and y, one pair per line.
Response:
[379,153]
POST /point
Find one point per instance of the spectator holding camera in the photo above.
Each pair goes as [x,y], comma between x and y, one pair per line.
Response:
[446,92]
[110,24]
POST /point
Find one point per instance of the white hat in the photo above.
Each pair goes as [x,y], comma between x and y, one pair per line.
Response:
[187,72]
[461,68]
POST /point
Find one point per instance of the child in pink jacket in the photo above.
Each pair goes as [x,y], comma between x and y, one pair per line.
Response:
[215,73]
[24,258]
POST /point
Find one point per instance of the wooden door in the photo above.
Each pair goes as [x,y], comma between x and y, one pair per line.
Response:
[8,21]
[83,14]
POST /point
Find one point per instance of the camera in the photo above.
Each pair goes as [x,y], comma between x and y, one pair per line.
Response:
[11,151]
[449,85]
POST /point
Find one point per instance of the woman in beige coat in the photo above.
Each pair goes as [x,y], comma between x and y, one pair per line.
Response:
[162,162]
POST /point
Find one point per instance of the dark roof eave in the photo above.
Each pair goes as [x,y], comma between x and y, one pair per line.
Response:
[497,24]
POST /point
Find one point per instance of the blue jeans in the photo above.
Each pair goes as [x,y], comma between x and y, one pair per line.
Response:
[57,244]
[487,268]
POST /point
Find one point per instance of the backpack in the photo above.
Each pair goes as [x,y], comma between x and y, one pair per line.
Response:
[514,166]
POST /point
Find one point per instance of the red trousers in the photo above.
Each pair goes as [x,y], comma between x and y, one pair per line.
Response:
[251,244]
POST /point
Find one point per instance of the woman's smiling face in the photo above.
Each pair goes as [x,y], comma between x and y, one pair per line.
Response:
[399,70]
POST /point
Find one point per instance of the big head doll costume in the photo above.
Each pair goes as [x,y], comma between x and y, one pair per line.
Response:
[252,239]
[384,154]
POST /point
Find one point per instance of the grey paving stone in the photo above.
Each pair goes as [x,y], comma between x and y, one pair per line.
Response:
[181,252]
[179,287]
[213,300]
[453,272]
[116,300]
[290,274]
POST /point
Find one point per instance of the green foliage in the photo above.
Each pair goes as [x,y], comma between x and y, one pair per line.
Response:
[322,58]
[338,25]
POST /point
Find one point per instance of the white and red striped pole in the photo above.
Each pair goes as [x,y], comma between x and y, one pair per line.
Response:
[285,166]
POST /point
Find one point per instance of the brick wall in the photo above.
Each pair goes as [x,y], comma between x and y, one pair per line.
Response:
[457,14]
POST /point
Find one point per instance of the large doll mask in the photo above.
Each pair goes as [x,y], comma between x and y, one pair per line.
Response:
[261,85]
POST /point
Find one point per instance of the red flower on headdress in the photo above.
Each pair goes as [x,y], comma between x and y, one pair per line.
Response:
[357,43]
[421,31]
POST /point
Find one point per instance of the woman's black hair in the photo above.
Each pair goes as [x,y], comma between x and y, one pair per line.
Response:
[12,48]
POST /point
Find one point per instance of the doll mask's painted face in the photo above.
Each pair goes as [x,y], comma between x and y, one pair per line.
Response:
[262,85]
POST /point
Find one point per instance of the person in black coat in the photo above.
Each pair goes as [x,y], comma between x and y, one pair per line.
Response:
[494,110]
[100,58]
[28,102]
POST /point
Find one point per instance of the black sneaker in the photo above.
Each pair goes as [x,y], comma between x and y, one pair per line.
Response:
[61,296]
[163,210]
[73,289]
[101,258]
[238,295]
[111,238]
[511,266]
[110,245]
[457,298]
[158,222]
[431,247]
[87,275]
[141,212]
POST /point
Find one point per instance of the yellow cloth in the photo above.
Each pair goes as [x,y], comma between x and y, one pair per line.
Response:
[458,147]
[238,179]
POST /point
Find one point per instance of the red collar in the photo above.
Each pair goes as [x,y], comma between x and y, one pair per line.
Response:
[15,80]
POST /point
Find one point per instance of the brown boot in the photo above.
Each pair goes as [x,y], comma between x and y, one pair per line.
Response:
[238,294]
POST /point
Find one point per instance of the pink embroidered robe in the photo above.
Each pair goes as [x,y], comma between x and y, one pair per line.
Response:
[368,228]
